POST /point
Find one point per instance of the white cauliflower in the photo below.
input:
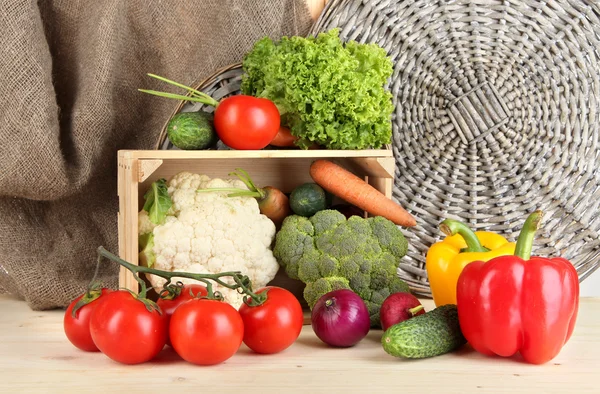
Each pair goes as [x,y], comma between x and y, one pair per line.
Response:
[211,233]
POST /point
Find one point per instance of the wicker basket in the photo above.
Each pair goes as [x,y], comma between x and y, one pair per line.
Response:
[497,107]
[497,114]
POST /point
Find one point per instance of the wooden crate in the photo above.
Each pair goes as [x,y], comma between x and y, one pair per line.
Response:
[284,169]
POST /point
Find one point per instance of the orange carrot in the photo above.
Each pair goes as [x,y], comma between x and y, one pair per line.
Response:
[284,138]
[356,191]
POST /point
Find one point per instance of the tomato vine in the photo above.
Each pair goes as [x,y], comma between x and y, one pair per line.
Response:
[241,283]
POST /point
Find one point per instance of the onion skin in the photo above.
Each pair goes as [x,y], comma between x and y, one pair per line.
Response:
[340,318]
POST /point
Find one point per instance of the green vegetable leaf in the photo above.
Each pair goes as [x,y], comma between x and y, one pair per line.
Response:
[328,92]
[146,255]
[157,201]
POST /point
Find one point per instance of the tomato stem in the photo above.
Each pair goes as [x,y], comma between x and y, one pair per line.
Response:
[241,282]
[91,295]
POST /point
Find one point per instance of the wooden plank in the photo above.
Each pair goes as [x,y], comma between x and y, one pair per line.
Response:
[384,185]
[378,167]
[122,214]
[36,357]
[254,154]
[129,251]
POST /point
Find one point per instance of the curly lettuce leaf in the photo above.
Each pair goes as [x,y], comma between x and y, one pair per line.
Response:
[329,93]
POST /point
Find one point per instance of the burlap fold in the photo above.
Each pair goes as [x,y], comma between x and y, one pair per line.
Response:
[69,73]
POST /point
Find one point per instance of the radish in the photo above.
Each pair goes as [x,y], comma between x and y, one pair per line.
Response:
[399,307]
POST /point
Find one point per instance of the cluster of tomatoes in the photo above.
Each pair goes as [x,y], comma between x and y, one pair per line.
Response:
[202,331]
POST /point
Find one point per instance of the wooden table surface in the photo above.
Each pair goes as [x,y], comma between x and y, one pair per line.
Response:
[35,356]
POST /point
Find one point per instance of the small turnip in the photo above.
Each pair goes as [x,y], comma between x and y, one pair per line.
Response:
[399,307]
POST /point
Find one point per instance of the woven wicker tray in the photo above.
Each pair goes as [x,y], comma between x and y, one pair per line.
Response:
[497,114]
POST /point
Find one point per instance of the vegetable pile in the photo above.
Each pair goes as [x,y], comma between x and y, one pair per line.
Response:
[327,92]
[240,121]
[194,319]
[313,92]
[206,244]
[232,236]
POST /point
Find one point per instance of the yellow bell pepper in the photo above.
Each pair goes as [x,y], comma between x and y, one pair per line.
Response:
[446,259]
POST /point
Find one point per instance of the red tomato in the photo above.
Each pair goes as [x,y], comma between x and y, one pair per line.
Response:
[125,330]
[169,306]
[274,325]
[77,329]
[206,332]
[245,122]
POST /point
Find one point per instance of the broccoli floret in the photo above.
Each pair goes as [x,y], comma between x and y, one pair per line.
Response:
[359,226]
[361,284]
[378,296]
[338,242]
[308,267]
[328,266]
[325,220]
[383,271]
[373,309]
[301,224]
[292,242]
[397,285]
[349,265]
[389,235]
[328,252]
[317,289]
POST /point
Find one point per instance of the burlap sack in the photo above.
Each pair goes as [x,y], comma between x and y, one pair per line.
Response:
[69,73]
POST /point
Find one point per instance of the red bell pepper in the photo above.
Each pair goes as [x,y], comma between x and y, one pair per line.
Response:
[519,303]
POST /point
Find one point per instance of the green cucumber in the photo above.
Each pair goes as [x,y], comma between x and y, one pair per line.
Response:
[192,130]
[308,199]
[432,334]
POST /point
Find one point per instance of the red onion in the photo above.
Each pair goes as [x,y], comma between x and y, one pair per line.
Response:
[340,318]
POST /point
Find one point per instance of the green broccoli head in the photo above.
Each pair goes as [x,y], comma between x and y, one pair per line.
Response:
[329,252]
[294,240]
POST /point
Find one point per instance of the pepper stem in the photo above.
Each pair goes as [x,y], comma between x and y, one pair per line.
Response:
[525,240]
[453,227]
